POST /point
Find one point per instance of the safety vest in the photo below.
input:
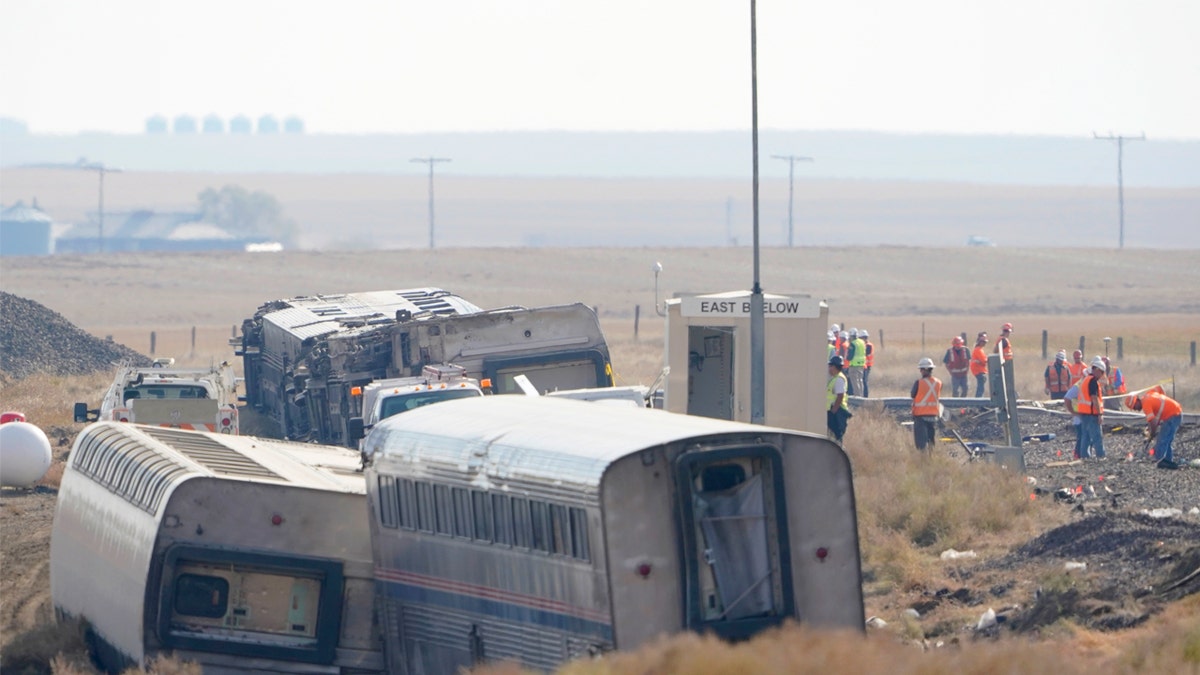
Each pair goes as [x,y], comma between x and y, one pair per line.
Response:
[829,350]
[860,353]
[1058,378]
[925,403]
[957,360]
[1115,384]
[842,347]
[870,354]
[1083,405]
[1078,370]
[1004,346]
[978,362]
[830,397]
[1160,408]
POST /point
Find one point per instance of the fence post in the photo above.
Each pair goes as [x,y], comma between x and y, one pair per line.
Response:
[1045,336]
[637,316]
[1193,346]
[1083,346]
[193,340]
[153,340]
[233,331]
[963,335]
[1120,348]
[1193,353]
[922,337]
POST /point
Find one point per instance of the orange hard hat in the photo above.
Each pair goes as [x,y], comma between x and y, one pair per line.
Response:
[1007,327]
[958,341]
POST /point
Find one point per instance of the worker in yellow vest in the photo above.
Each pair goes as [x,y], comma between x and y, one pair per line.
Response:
[837,410]
[926,406]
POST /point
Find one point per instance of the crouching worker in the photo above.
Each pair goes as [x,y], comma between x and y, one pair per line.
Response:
[837,411]
[926,407]
[1163,417]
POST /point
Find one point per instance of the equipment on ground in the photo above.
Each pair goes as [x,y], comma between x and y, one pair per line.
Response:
[24,454]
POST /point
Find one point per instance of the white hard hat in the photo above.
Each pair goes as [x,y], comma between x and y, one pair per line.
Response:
[925,363]
[863,334]
[835,328]
[854,332]
[1098,362]
[830,336]
[845,334]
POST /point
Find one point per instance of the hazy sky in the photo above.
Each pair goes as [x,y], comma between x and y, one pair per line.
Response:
[1063,67]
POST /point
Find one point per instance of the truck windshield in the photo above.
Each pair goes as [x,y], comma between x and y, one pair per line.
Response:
[398,404]
[159,391]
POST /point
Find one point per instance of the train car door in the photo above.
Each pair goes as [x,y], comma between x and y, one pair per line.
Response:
[710,372]
[734,535]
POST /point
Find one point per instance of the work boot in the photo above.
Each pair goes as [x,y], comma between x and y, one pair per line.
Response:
[1166,464]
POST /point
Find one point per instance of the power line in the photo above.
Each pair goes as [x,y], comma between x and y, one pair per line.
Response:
[431,161]
[791,160]
[1120,178]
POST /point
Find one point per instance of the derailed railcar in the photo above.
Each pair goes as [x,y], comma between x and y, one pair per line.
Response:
[278,342]
[541,529]
[556,347]
[239,553]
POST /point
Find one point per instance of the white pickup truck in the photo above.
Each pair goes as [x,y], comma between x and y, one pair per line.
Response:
[199,399]
[383,398]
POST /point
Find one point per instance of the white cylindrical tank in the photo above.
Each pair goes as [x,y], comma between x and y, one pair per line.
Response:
[24,454]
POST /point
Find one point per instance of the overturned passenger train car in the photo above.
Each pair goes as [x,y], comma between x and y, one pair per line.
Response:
[239,553]
[541,529]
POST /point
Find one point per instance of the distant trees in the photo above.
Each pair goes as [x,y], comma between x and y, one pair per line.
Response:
[247,213]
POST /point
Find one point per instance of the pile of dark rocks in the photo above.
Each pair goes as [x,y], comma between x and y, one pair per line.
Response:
[34,339]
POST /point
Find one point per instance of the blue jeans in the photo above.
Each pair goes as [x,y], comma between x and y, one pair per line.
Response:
[1078,437]
[1166,435]
[1091,436]
[980,381]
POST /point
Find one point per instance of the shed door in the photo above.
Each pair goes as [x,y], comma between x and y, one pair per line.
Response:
[710,372]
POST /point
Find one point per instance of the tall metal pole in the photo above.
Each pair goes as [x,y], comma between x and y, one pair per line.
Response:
[791,160]
[1120,177]
[101,229]
[758,388]
[430,161]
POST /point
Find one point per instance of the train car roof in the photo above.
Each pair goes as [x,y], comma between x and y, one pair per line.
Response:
[537,437]
[239,458]
[322,313]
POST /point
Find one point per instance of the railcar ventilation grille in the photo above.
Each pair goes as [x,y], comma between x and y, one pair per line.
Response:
[214,455]
[138,474]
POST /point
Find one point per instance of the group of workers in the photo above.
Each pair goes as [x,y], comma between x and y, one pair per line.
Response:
[1085,388]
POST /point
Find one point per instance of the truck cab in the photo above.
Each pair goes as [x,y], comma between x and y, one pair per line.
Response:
[383,398]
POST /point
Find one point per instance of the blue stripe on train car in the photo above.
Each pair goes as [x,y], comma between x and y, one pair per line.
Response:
[498,609]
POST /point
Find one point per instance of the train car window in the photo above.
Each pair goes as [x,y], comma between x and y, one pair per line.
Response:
[540,519]
[388,512]
[502,522]
[721,477]
[579,535]
[462,512]
[481,506]
[201,595]
[522,529]
[425,519]
[443,510]
[560,530]
[406,502]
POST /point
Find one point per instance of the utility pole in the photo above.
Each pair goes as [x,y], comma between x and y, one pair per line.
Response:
[758,379]
[431,161]
[82,164]
[1120,178]
[791,160]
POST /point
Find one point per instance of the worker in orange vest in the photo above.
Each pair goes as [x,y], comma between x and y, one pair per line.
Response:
[979,367]
[1058,376]
[958,362]
[1077,366]
[926,407]
[1004,344]
[1114,385]
[866,337]
[1090,408]
[1163,417]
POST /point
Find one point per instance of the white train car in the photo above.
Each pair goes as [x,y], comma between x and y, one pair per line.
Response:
[240,553]
[540,529]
